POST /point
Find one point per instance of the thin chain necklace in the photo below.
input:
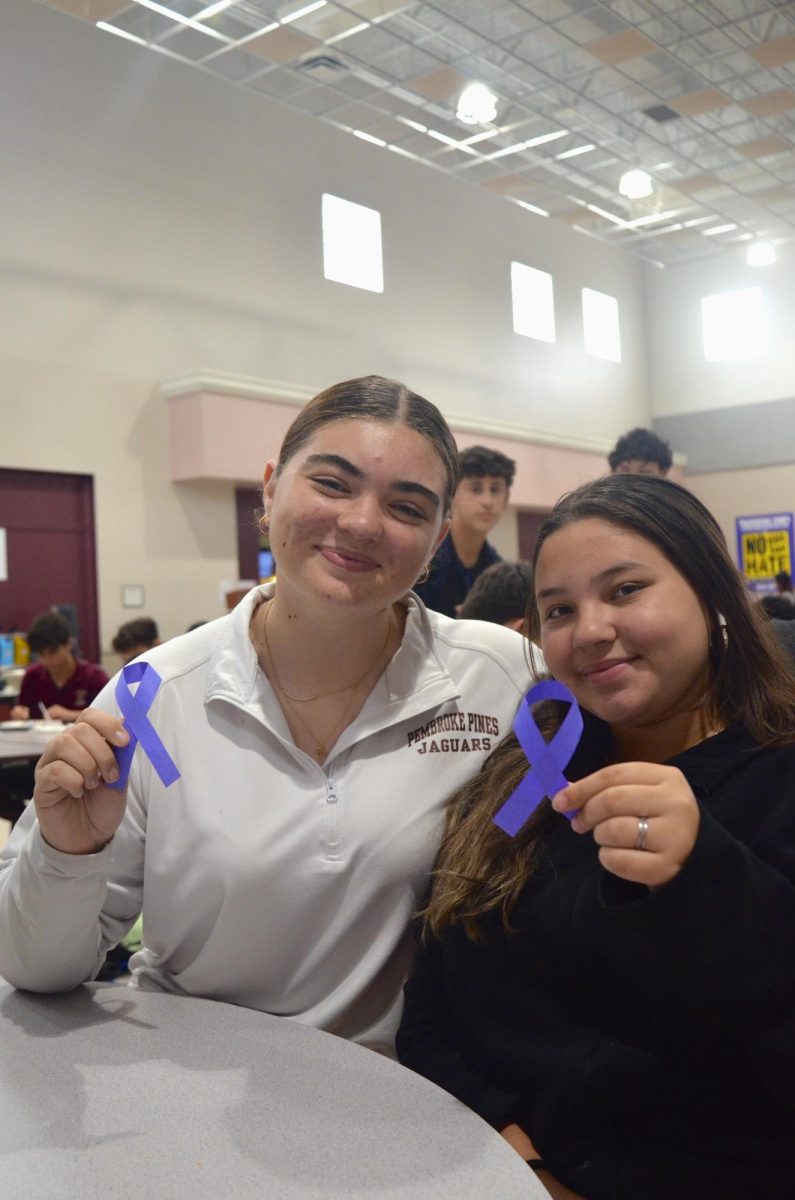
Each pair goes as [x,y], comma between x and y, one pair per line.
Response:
[320,695]
[322,745]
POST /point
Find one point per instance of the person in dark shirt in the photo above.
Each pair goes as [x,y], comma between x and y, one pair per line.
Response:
[616,995]
[480,500]
[500,595]
[640,452]
[65,685]
[136,637]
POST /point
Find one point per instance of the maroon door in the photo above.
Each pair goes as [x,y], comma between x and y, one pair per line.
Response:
[529,524]
[49,523]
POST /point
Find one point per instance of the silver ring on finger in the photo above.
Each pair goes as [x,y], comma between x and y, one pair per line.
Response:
[643,829]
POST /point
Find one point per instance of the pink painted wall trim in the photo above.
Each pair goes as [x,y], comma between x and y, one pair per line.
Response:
[222,436]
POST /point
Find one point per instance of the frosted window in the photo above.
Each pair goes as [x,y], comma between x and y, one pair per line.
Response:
[352,244]
[734,325]
[533,302]
[600,325]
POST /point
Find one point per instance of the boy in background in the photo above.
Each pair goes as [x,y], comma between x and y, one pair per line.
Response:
[480,500]
[65,685]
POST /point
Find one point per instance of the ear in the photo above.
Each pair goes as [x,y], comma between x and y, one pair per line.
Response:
[268,483]
[517,623]
[443,532]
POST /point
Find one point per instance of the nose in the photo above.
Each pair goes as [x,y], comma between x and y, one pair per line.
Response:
[361,517]
[593,625]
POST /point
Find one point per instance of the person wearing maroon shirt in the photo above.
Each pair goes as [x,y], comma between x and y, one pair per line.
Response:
[65,685]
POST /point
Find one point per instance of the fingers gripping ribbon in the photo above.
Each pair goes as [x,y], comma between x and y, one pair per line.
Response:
[547,759]
[134,708]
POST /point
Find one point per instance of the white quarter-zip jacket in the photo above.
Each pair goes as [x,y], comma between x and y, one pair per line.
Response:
[265,879]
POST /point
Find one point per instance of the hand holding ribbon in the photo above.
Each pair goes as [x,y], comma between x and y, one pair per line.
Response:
[547,759]
[134,708]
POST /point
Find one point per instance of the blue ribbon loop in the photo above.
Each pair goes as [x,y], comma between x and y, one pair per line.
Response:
[547,759]
[133,708]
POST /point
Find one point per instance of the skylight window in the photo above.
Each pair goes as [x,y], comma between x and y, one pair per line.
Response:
[533,302]
[352,244]
[600,325]
[734,325]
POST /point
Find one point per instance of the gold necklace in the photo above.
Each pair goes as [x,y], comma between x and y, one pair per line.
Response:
[322,748]
[324,744]
[321,695]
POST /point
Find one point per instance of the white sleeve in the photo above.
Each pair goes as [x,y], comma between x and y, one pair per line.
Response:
[61,913]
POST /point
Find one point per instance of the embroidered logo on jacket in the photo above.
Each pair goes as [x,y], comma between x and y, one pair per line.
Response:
[455,733]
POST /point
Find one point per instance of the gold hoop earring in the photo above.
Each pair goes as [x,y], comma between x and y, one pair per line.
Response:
[424,576]
[264,524]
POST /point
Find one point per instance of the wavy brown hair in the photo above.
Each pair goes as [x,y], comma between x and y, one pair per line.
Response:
[751,681]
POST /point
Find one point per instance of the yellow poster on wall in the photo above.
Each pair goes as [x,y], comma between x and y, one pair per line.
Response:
[764,549]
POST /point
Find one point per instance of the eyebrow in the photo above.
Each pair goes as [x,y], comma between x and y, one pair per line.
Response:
[405,486]
[602,577]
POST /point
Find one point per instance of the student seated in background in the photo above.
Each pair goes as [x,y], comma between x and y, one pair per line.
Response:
[784,585]
[640,452]
[136,637]
[616,995]
[65,685]
[480,500]
[501,595]
[777,607]
[318,730]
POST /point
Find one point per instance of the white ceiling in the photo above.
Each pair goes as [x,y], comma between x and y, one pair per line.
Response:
[392,70]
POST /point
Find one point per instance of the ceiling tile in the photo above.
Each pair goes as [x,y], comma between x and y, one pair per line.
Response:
[694,184]
[772,102]
[439,85]
[774,143]
[282,45]
[777,193]
[773,54]
[621,47]
[703,101]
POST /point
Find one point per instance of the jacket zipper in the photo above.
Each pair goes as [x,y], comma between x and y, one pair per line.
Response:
[333,841]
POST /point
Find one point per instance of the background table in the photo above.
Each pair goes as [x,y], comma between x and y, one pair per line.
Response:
[107,1091]
[27,743]
[19,751]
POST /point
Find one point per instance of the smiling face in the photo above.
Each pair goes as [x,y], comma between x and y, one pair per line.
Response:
[622,628]
[480,501]
[355,514]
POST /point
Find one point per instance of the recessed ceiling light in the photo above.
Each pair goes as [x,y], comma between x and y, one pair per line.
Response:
[761,254]
[577,150]
[719,229]
[635,185]
[302,12]
[476,105]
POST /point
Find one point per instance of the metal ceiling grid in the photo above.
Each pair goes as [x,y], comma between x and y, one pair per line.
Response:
[701,95]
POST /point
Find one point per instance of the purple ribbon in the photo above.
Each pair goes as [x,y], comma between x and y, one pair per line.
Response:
[547,759]
[134,709]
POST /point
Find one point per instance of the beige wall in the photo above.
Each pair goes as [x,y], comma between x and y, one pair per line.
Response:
[731,494]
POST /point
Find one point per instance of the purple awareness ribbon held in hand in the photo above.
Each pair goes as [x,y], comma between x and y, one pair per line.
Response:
[134,709]
[547,759]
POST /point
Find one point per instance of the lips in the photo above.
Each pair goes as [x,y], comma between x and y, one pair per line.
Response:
[348,560]
[607,671]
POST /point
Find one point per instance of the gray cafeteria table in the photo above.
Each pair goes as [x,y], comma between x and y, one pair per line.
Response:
[110,1093]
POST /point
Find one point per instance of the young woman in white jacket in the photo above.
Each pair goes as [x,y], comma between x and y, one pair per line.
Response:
[317,730]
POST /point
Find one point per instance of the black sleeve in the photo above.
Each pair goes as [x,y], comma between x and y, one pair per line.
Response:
[430,1042]
[723,931]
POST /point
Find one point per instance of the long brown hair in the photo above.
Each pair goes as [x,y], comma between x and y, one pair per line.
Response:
[751,681]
